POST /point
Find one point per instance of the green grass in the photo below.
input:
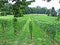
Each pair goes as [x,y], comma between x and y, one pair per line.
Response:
[40,23]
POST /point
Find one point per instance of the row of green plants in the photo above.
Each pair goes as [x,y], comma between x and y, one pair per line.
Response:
[9,29]
[38,36]
[51,29]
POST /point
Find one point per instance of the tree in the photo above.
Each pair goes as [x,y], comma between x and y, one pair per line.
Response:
[20,6]
[8,8]
[50,0]
[58,14]
[48,12]
[47,0]
[43,10]
[53,12]
[35,10]
[38,8]
[27,10]
[2,6]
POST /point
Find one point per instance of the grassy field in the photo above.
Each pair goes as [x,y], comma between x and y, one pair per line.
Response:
[37,24]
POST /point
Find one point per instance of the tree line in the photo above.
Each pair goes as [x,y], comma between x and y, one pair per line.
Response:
[10,9]
[21,7]
[43,10]
[17,9]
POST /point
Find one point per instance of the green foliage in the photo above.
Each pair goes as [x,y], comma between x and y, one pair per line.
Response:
[19,7]
[3,25]
[58,14]
[50,27]
[48,12]
[8,10]
[14,25]
[30,25]
[7,27]
[2,6]
[39,24]
[53,12]
[35,10]
[50,0]
[30,28]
